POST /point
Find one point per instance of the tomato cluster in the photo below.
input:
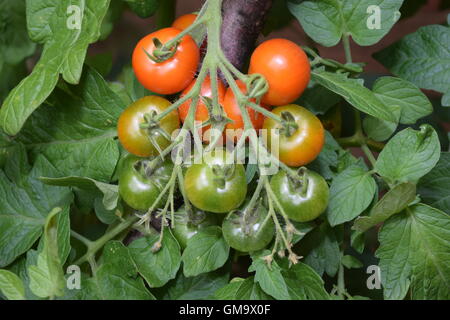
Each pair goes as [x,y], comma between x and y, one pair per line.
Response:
[216,186]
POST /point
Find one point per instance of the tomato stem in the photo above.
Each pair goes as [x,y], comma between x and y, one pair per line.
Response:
[81,238]
[95,246]
[347,47]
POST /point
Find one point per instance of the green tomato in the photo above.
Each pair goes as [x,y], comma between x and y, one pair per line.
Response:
[188,224]
[303,198]
[140,188]
[248,230]
[216,185]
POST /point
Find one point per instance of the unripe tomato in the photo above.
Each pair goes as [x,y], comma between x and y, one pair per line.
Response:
[304,144]
[233,112]
[248,230]
[169,76]
[137,140]
[188,225]
[216,185]
[184,21]
[286,68]
[138,188]
[303,199]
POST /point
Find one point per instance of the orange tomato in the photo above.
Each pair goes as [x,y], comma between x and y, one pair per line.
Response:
[172,75]
[286,68]
[184,21]
[233,112]
[304,144]
[201,113]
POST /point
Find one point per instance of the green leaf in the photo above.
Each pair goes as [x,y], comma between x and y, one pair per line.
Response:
[25,204]
[351,192]
[422,57]
[269,278]
[277,17]
[77,125]
[242,289]
[353,91]
[160,267]
[396,200]
[381,130]
[250,172]
[63,234]
[414,253]
[196,288]
[20,268]
[102,62]
[350,262]
[110,191]
[409,155]
[11,76]
[47,277]
[398,92]
[323,254]
[133,87]
[434,187]
[63,53]
[205,252]
[104,215]
[296,282]
[325,163]
[358,241]
[11,286]
[318,99]
[304,283]
[117,278]
[112,16]
[327,21]
[144,8]
[15,45]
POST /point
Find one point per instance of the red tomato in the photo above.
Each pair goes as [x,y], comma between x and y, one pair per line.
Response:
[286,68]
[170,76]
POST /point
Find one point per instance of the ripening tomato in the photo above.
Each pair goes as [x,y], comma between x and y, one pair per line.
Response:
[303,198]
[135,139]
[286,68]
[302,145]
[233,112]
[201,113]
[184,21]
[169,76]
